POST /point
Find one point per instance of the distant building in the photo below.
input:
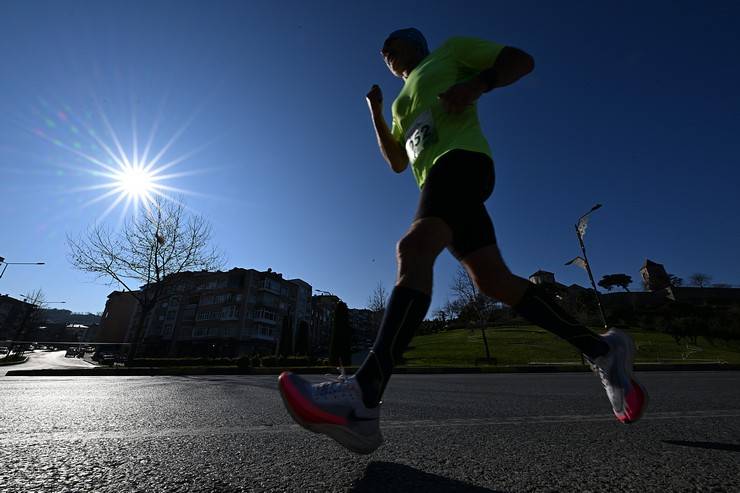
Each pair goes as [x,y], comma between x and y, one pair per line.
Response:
[654,276]
[117,317]
[322,320]
[224,314]
[76,332]
[364,329]
[542,277]
[562,292]
[13,315]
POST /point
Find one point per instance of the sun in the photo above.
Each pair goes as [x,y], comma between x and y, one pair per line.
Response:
[128,176]
[136,182]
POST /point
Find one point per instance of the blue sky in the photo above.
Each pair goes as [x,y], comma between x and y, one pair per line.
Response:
[632,105]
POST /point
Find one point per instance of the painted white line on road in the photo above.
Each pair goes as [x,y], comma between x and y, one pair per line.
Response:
[568,418]
[15,438]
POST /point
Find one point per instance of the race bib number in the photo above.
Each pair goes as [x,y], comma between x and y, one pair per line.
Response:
[421,134]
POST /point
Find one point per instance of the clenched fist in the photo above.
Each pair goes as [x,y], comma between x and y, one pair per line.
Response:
[375,99]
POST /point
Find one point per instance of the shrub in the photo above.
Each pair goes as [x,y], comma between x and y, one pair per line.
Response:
[246,362]
[168,362]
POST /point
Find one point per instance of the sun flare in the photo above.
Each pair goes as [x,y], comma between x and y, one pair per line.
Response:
[136,182]
[135,179]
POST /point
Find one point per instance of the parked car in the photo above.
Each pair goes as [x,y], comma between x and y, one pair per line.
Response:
[107,358]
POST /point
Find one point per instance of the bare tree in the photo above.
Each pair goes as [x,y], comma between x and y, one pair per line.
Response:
[376,301]
[449,311]
[700,280]
[376,304]
[31,317]
[162,240]
[471,304]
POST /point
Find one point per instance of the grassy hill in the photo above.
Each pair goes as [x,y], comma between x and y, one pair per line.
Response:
[524,345]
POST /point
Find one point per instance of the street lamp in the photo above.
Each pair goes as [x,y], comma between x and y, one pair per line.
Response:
[583,262]
[2,261]
[25,298]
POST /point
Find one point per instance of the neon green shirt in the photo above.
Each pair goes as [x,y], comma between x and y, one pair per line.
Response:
[420,123]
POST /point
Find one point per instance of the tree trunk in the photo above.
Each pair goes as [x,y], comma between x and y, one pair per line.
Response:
[485,343]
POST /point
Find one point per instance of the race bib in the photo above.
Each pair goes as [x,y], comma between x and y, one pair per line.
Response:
[421,134]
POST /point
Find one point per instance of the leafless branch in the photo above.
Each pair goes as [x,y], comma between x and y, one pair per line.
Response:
[160,241]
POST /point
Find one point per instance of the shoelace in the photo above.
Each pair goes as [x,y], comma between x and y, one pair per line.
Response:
[337,378]
[336,383]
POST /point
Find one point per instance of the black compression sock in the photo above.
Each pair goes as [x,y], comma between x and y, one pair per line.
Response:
[405,311]
[538,307]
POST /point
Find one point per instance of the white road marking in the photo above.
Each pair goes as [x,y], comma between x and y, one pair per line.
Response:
[9,438]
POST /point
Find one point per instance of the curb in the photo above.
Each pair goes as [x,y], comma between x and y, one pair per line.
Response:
[553,368]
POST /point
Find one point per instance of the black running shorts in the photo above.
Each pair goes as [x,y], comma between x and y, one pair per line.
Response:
[455,191]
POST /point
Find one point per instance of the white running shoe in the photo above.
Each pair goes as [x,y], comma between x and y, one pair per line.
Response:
[628,398]
[334,408]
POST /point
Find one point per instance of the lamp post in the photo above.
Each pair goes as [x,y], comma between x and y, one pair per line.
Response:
[583,262]
[25,298]
[2,261]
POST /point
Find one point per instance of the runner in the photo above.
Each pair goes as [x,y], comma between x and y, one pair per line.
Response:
[435,128]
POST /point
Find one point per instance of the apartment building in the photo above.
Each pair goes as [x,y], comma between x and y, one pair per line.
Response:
[365,324]
[117,318]
[13,314]
[322,320]
[222,314]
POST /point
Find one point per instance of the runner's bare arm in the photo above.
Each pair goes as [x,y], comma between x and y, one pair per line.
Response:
[511,65]
[393,152]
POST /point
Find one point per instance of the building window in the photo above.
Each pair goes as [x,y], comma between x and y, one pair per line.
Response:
[265,314]
[271,285]
[230,312]
[212,315]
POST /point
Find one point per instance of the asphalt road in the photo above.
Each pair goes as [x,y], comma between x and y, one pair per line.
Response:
[39,360]
[516,432]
